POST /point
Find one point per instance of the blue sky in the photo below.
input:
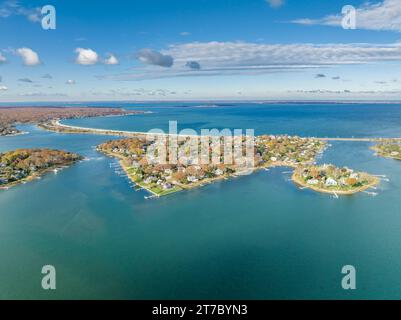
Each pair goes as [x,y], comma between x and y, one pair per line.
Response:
[200,50]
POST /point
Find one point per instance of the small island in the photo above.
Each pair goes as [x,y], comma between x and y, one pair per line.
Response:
[164,179]
[22,165]
[331,179]
[388,149]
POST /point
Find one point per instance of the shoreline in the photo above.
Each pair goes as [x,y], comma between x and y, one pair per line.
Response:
[36,175]
[379,153]
[13,116]
[56,126]
[197,184]
[125,169]
[14,134]
[298,181]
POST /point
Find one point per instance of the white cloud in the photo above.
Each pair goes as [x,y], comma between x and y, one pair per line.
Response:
[70,82]
[14,8]
[3,88]
[185,33]
[111,60]
[384,15]
[86,56]
[2,58]
[227,58]
[275,3]
[29,57]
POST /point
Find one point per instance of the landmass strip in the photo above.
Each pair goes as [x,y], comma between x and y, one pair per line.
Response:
[10,116]
[296,152]
[55,125]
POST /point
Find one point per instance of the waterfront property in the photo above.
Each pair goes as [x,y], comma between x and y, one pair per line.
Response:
[162,178]
[89,221]
[166,177]
[23,165]
[331,179]
[388,149]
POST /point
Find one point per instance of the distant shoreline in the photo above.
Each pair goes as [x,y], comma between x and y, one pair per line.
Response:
[380,153]
[55,125]
[12,116]
[83,104]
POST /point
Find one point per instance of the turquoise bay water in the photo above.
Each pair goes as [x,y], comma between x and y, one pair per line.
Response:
[256,237]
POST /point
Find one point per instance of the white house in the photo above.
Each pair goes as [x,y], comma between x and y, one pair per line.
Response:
[312,182]
[331,182]
[149,179]
[192,179]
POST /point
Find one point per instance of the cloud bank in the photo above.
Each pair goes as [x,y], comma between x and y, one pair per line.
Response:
[380,16]
[14,8]
[232,58]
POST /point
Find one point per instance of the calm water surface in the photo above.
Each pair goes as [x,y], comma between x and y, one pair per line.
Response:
[256,237]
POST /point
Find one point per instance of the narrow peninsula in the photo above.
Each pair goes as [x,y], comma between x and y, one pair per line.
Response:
[10,116]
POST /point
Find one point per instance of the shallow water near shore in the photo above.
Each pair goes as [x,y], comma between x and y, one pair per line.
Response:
[257,236]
